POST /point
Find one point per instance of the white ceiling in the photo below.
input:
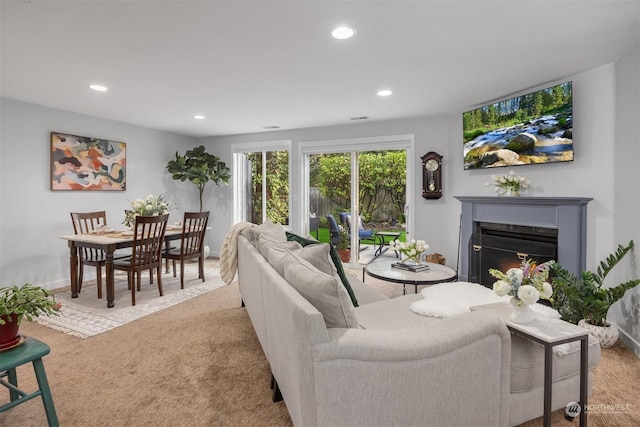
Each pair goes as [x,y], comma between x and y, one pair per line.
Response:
[250,64]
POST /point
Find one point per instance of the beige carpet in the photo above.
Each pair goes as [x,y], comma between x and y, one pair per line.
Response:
[87,315]
[199,363]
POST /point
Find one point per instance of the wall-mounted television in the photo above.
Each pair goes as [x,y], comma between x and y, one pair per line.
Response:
[528,129]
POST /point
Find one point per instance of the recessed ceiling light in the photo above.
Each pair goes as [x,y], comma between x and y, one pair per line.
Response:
[99,88]
[343,32]
[384,92]
[198,117]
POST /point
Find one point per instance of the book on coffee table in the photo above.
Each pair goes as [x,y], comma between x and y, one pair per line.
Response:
[410,267]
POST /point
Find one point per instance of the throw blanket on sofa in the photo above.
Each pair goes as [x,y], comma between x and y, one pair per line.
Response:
[229,252]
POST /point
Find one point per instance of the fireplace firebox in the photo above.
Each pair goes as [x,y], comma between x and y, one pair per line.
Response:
[505,246]
[540,228]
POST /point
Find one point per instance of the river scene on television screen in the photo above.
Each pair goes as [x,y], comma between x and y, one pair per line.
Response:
[528,129]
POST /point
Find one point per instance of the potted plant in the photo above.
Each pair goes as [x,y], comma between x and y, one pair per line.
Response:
[343,245]
[22,302]
[199,167]
[584,300]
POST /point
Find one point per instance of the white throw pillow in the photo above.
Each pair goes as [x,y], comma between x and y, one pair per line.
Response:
[326,293]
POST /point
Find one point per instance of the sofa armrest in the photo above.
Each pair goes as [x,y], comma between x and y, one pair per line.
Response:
[455,374]
[410,344]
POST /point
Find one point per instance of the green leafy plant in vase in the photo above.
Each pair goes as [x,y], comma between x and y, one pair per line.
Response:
[18,303]
[585,301]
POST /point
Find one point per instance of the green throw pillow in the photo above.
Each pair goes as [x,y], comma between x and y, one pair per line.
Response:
[336,261]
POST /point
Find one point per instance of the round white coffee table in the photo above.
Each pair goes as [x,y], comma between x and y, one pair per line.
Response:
[437,273]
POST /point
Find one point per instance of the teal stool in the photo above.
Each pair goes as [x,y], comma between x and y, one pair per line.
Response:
[31,351]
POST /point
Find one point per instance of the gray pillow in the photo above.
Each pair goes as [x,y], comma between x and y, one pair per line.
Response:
[265,242]
[315,254]
[325,292]
[279,256]
[273,231]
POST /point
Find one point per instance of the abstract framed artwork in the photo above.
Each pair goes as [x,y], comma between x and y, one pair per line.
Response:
[85,163]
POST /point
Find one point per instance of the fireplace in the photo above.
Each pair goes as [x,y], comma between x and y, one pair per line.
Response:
[505,246]
[498,232]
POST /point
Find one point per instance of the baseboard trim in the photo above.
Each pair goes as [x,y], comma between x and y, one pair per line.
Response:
[629,341]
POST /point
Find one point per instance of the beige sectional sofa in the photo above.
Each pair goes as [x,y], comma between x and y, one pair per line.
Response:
[343,354]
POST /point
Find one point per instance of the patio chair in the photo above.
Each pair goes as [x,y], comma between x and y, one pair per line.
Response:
[363,233]
[334,231]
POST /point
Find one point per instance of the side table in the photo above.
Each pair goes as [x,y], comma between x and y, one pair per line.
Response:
[549,332]
[381,236]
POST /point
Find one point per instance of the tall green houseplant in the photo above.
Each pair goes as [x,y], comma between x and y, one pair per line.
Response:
[585,297]
[199,167]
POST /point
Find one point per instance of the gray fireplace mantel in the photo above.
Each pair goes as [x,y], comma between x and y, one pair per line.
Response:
[566,214]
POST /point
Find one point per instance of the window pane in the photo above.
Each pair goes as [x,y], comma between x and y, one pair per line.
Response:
[269,187]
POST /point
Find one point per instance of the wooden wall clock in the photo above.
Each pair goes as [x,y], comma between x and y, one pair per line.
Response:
[431,175]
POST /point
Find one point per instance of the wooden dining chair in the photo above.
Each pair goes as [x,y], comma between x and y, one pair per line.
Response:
[146,251]
[194,226]
[85,223]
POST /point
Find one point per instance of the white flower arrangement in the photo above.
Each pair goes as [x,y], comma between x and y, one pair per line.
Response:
[527,284]
[509,183]
[412,250]
[149,206]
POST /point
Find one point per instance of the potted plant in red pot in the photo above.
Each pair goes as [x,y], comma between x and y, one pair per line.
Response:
[343,245]
[22,302]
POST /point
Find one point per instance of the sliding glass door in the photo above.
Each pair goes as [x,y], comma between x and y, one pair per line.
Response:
[363,189]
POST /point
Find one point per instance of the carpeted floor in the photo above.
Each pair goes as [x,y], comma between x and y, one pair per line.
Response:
[199,363]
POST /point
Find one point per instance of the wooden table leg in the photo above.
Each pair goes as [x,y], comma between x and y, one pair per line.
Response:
[73,269]
[108,265]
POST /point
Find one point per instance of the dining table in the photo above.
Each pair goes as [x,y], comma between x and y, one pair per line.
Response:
[109,242]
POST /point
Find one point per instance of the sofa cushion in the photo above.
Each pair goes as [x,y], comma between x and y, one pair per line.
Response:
[336,262]
[323,291]
[273,231]
[317,255]
[266,243]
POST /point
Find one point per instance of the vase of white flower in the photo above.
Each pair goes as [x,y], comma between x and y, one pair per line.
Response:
[150,205]
[510,184]
[411,251]
[522,312]
[526,285]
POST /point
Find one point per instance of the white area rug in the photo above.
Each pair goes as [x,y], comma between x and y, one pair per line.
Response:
[87,315]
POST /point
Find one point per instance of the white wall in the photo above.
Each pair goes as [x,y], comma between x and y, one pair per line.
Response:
[626,194]
[605,133]
[437,221]
[607,159]
[32,217]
